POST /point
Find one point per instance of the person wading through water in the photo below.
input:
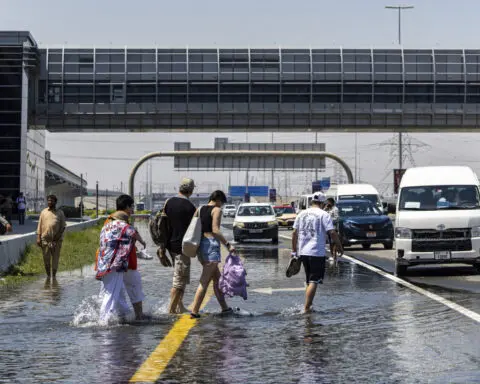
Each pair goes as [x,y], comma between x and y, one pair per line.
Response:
[308,242]
[209,251]
[179,211]
[116,264]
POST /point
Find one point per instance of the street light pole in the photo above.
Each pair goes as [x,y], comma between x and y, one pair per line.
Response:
[399,9]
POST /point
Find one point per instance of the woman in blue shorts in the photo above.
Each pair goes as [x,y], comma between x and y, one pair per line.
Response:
[209,252]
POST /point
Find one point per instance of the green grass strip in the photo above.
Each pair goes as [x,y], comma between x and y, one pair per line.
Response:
[78,249]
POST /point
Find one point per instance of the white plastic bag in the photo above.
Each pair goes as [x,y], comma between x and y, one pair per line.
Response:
[193,237]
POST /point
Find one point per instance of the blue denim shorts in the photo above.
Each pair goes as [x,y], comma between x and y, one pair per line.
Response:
[210,250]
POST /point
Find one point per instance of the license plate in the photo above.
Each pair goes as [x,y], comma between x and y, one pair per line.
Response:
[442,255]
[256,230]
[371,234]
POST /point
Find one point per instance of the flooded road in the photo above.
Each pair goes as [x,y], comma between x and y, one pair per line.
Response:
[366,329]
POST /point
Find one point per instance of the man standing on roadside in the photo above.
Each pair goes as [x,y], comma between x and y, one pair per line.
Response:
[21,206]
[308,242]
[179,211]
[50,231]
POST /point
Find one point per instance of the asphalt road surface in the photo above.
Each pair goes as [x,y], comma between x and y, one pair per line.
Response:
[365,328]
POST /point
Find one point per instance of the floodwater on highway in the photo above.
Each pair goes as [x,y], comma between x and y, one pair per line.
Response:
[366,329]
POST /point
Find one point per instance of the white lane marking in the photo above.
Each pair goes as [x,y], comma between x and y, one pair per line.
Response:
[450,304]
[269,291]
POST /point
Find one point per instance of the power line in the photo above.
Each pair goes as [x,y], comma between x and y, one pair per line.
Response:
[104,141]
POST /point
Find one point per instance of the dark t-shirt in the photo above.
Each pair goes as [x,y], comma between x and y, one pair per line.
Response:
[180,211]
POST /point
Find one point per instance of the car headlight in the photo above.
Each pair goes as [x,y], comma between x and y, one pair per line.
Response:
[238,224]
[348,224]
[270,223]
[475,231]
[403,233]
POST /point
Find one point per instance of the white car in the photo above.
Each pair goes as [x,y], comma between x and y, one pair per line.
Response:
[229,210]
[255,221]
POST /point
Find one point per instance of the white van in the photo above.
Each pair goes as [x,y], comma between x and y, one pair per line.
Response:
[359,191]
[303,202]
[438,217]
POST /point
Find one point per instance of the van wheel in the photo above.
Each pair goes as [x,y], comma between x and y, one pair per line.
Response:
[400,270]
[388,245]
[366,246]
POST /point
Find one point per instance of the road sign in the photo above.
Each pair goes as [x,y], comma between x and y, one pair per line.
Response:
[316,186]
[397,178]
[325,183]
[254,190]
[273,195]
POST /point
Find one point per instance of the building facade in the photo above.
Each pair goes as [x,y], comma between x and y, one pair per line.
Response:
[22,152]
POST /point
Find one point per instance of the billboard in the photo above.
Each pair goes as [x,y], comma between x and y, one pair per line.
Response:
[254,190]
[397,178]
[240,162]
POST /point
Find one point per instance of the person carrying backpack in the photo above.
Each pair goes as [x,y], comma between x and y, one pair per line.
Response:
[178,212]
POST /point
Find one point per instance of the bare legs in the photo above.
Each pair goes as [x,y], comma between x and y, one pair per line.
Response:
[176,301]
[210,272]
[309,295]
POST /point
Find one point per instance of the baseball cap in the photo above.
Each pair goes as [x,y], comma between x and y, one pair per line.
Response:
[320,197]
[188,183]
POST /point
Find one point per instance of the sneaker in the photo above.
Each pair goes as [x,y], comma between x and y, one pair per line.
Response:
[293,266]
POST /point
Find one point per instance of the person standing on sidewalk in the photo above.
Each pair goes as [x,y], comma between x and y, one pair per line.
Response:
[21,207]
[209,252]
[308,242]
[50,231]
[179,210]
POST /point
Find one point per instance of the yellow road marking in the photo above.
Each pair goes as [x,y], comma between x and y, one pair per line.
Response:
[151,370]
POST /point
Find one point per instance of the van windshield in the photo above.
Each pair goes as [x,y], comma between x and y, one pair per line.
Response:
[433,198]
[372,198]
[256,210]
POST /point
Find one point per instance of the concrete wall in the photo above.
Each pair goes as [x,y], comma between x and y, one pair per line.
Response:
[11,250]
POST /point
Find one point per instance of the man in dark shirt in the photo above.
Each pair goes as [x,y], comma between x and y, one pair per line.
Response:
[179,211]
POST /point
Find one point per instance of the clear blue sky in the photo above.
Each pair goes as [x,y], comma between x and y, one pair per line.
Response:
[259,23]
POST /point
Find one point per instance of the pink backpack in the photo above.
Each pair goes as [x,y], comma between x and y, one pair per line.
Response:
[233,281]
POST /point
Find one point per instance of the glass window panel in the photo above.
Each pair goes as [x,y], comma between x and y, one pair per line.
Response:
[389,88]
[457,99]
[172,98]
[234,98]
[363,68]
[134,67]
[196,98]
[295,88]
[55,68]
[418,98]
[148,67]
[327,98]
[210,67]
[54,57]
[357,98]
[387,98]
[356,58]
[203,88]
[396,68]
[265,88]
[333,67]
[349,67]
[288,67]
[264,57]
[265,98]
[234,88]
[418,88]
[357,88]
[296,57]
[298,98]
[141,88]
[327,88]
[73,68]
[473,68]
[301,67]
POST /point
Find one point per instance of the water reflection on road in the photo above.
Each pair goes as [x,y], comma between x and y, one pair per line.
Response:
[365,329]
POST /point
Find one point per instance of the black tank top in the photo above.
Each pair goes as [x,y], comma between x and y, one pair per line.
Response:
[206,218]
